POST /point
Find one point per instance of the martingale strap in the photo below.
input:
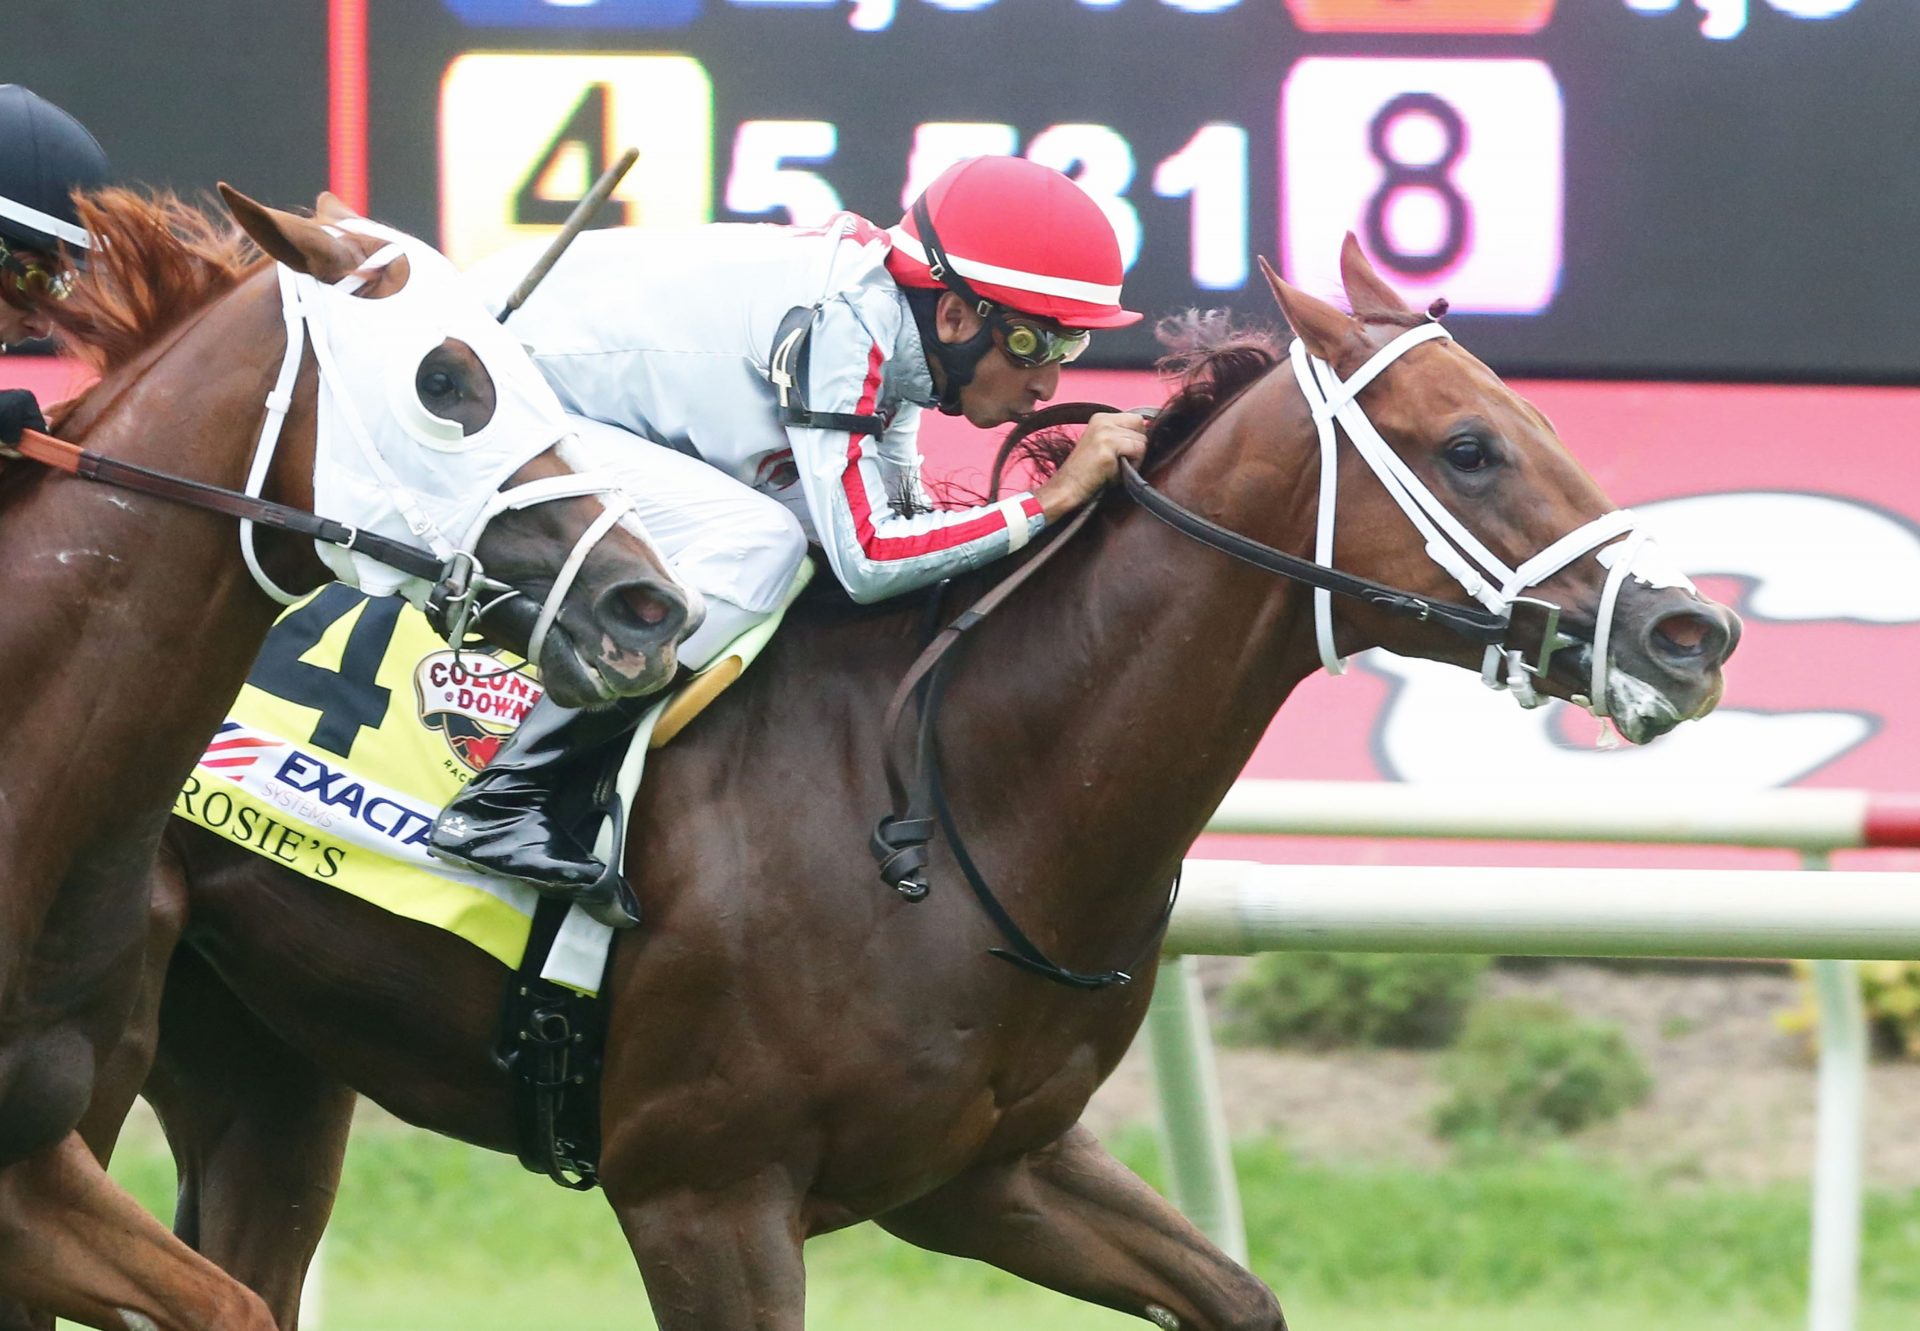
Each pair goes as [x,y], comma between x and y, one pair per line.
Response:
[900,839]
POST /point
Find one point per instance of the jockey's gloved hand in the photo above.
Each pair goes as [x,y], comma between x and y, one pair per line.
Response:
[18,411]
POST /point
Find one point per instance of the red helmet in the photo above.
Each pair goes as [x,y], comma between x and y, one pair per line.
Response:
[1018,234]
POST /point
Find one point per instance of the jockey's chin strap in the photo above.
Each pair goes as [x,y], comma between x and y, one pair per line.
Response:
[1449,544]
[460,592]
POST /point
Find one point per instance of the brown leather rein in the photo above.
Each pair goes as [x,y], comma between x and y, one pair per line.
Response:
[90,466]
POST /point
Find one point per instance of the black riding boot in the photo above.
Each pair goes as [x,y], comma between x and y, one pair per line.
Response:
[513,817]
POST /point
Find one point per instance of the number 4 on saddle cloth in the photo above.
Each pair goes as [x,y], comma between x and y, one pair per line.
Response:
[357,725]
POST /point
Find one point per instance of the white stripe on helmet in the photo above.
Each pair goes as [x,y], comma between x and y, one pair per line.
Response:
[1041,284]
[13,210]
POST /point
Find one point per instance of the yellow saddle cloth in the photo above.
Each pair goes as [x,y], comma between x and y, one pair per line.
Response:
[356,727]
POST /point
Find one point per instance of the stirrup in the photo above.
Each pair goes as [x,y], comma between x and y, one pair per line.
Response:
[610,900]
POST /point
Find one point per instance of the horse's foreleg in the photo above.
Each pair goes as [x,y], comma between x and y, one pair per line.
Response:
[1071,1217]
[125,1067]
[258,1133]
[124,1070]
[722,1259]
[71,1241]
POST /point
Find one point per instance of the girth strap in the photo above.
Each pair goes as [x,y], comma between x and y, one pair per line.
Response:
[551,1041]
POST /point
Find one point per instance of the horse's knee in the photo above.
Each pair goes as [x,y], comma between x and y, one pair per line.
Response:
[45,1086]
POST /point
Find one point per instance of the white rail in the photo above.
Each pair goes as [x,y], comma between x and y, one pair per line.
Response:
[1805,820]
[1232,908]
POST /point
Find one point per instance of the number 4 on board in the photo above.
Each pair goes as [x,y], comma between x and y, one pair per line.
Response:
[524,135]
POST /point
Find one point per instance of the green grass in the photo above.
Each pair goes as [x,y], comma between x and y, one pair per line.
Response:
[432,1236]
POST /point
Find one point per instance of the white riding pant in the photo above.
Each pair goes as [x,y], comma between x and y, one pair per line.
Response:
[735,546]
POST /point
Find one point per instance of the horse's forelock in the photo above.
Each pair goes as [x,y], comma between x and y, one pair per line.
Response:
[155,260]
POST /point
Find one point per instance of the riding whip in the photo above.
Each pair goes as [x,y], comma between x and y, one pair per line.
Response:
[576,223]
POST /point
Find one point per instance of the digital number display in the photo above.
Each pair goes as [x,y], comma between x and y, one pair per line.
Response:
[1449,171]
[1619,188]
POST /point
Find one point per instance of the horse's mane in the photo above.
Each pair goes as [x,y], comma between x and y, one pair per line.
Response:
[1209,359]
[155,260]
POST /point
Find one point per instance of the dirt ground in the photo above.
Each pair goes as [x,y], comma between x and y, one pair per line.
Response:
[1733,1097]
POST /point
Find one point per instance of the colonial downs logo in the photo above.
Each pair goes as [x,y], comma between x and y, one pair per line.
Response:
[474,699]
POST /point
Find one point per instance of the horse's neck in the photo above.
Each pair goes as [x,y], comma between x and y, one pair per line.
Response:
[1094,731]
[136,680]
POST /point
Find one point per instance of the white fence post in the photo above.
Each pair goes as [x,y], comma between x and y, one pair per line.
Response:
[1193,1124]
[1839,1135]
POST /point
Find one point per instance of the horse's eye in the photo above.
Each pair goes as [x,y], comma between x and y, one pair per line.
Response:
[1468,455]
[435,385]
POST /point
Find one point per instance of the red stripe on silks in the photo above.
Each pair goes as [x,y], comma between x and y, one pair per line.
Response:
[1892,820]
[1031,506]
[879,548]
[240,742]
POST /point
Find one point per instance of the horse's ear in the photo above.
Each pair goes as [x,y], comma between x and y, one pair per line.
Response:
[1366,291]
[329,208]
[1323,328]
[301,243]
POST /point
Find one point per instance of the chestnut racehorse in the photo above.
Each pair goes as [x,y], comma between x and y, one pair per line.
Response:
[792,1047]
[132,620]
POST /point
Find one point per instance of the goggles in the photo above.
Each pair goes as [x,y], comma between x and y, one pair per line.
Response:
[1030,344]
[31,280]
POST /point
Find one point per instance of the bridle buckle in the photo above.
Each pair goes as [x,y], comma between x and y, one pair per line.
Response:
[1551,638]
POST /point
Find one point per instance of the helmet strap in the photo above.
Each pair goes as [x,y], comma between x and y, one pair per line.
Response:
[957,360]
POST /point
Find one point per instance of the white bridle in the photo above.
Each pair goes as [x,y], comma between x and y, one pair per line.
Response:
[453,490]
[1448,543]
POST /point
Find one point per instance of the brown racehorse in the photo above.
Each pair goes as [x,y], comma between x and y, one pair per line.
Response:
[131,622]
[794,1048]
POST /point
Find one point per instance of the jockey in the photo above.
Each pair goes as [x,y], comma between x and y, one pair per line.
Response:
[775,377]
[45,155]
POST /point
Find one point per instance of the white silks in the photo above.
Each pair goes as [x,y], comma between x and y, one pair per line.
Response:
[1480,573]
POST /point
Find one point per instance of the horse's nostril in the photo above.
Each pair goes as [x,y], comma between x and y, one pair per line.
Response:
[652,609]
[646,607]
[1682,635]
